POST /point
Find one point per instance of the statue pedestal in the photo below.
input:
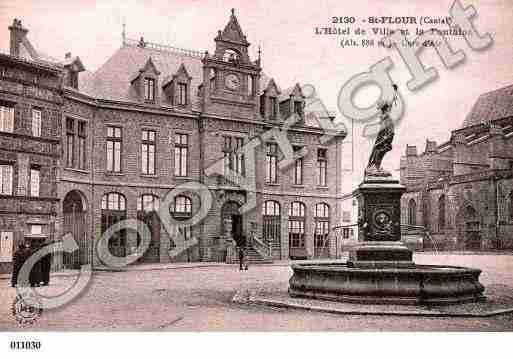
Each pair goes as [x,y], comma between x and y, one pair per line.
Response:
[379,207]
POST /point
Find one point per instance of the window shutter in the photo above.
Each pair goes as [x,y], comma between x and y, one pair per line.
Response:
[7,179]
[10,119]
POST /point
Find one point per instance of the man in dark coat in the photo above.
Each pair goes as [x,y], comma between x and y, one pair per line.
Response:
[19,258]
[241,258]
[35,273]
[46,263]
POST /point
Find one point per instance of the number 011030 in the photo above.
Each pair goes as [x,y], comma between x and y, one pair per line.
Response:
[25,345]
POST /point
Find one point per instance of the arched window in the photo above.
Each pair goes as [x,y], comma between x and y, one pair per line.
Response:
[147,212]
[412,212]
[230,56]
[114,201]
[297,225]
[322,225]
[271,208]
[250,86]
[271,229]
[148,203]
[182,211]
[114,211]
[441,213]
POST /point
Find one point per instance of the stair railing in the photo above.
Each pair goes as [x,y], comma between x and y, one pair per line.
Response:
[264,249]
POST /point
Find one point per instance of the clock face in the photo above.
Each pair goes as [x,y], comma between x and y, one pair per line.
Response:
[232,82]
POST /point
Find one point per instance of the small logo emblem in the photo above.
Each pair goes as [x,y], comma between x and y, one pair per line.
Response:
[26,310]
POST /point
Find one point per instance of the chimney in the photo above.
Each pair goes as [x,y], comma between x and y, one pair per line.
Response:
[17,34]
[430,146]
[411,151]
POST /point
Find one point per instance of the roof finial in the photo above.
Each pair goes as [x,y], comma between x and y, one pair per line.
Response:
[123,34]
[233,11]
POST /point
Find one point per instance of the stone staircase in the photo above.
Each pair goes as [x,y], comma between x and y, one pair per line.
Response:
[254,257]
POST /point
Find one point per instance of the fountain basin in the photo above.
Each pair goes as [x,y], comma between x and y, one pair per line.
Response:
[416,284]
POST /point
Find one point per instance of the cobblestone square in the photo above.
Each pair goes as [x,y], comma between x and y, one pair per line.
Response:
[199,298]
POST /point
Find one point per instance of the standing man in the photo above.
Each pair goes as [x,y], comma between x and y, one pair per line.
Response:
[241,257]
[20,257]
[35,273]
[46,263]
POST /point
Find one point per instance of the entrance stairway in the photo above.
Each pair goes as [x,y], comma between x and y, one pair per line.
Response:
[255,257]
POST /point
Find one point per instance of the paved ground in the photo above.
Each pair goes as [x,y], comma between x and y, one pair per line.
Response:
[199,299]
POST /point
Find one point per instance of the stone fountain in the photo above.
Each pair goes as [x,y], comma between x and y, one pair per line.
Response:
[380,269]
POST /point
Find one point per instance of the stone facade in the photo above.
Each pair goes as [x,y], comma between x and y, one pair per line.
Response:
[461,191]
[31,103]
[207,98]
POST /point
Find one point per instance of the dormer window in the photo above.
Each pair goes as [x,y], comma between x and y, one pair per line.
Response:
[298,108]
[182,94]
[149,89]
[73,66]
[73,80]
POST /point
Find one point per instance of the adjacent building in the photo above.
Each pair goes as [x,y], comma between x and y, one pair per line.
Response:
[30,133]
[461,190]
[153,118]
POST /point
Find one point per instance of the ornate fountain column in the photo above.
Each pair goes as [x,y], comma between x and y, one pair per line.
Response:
[379,225]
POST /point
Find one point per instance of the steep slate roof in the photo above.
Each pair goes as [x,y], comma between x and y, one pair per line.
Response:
[112,80]
[491,106]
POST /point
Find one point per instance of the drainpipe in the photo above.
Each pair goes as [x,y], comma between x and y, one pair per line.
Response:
[496,184]
[92,169]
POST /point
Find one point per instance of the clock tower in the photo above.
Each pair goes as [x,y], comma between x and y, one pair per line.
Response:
[231,81]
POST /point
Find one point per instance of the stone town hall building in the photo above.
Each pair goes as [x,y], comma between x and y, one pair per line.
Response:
[462,190]
[83,150]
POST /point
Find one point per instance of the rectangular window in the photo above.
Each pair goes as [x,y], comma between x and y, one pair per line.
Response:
[34,182]
[114,141]
[298,168]
[82,135]
[322,166]
[148,152]
[36,229]
[182,94]
[181,154]
[36,122]
[70,142]
[233,155]
[149,89]
[274,108]
[6,179]
[6,246]
[321,234]
[6,118]
[296,234]
[272,163]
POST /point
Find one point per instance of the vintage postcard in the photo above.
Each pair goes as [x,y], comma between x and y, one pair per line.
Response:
[263,166]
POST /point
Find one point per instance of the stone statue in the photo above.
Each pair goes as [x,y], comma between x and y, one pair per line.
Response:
[384,140]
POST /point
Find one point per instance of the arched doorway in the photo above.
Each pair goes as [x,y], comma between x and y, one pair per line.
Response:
[412,212]
[147,212]
[297,223]
[74,210]
[114,211]
[472,229]
[231,211]
[271,226]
